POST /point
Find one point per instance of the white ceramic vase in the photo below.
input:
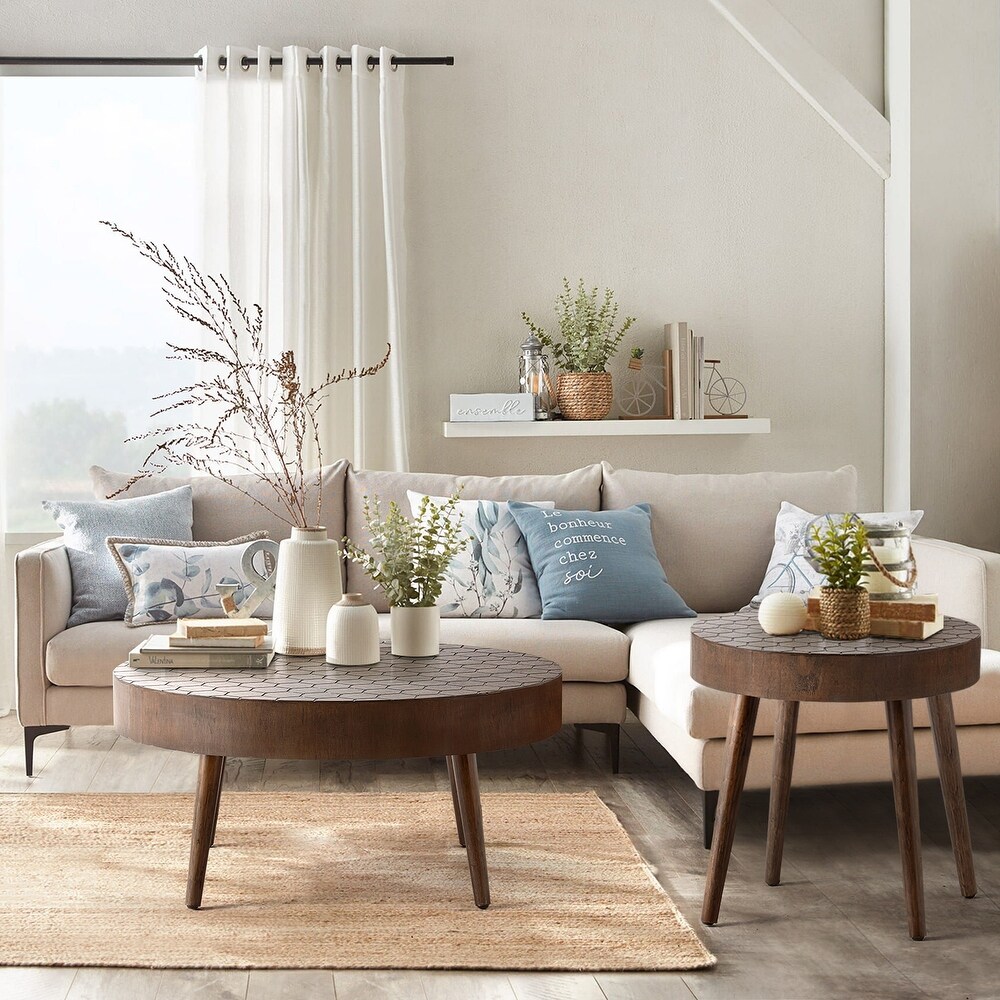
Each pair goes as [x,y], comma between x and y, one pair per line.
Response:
[352,633]
[782,614]
[307,584]
[415,631]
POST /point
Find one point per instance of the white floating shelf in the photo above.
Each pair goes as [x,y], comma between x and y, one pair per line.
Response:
[603,428]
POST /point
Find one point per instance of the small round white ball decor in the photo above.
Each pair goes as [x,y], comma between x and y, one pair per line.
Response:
[782,614]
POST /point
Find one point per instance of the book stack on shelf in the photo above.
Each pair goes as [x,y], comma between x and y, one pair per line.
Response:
[687,354]
[208,643]
[917,617]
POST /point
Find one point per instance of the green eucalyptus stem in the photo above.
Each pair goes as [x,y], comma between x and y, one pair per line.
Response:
[409,556]
[588,338]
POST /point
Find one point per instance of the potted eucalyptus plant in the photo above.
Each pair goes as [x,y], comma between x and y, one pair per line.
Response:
[587,341]
[837,549]
[407,562]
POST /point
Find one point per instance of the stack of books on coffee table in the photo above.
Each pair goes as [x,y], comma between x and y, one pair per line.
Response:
[207,643]
[917,617]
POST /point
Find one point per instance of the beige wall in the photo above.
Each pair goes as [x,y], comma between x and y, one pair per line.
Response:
[642,144]
[955,402]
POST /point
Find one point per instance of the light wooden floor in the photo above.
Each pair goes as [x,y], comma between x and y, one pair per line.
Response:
[834,928]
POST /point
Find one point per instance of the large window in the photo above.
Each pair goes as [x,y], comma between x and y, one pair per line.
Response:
[82,321]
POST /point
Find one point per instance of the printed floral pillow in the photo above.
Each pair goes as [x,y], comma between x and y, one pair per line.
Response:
[789,571]
[492,576]
[165,580]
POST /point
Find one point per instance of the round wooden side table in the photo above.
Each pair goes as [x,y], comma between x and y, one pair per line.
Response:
[463,702]
[732,653]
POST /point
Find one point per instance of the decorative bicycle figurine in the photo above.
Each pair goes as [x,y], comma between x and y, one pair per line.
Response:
[726,396]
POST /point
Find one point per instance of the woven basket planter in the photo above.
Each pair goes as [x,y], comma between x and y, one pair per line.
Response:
[584,395]
[844,614]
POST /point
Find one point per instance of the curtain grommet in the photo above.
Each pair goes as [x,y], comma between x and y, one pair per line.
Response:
[393,65]
[337,64]
[245,63]
[371,64]
[223,63]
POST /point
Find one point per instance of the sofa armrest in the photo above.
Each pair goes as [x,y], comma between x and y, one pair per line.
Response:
[43,598]
[967,581]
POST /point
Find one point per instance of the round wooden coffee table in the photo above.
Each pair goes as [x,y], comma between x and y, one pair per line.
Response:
[463,702]
[732,653]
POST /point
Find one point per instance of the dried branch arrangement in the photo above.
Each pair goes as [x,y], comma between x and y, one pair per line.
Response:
[261,420]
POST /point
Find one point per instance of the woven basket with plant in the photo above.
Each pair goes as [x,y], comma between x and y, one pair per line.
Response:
[587,342]
[837,549]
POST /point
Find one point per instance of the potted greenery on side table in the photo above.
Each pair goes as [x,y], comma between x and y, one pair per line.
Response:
[408,563]
[837,550]
[588,342]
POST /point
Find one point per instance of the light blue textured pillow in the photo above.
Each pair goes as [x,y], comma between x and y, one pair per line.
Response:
[597,565]
[98,593]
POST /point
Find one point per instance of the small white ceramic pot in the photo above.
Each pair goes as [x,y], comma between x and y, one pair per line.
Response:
[782,614]
[352,633]
[307,584]
[415,631]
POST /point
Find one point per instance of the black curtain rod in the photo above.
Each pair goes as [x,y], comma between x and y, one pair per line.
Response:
[246,62]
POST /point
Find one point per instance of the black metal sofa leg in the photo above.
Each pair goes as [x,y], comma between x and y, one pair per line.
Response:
[613,732]
[31,733]
[709,800]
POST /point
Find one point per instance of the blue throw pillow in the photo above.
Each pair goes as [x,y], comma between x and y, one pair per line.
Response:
[98,593]
[597,565]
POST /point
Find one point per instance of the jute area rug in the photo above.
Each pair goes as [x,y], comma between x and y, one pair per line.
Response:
[331,881]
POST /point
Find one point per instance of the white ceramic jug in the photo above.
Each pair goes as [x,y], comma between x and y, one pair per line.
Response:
[352,632]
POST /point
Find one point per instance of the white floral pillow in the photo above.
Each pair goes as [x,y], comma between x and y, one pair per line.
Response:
[789,571]
[167,580]
[492,576]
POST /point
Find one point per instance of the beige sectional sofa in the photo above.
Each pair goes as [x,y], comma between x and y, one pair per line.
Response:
[713,534]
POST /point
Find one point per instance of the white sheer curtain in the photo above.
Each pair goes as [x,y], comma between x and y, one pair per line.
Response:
[303,212]
[6,595]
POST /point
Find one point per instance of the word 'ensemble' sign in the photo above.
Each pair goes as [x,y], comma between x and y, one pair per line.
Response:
[484,406]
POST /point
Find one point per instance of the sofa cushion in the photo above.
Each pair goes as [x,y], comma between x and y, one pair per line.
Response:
[98,594]
[586,651]
[492,576]
[597,565]
[579,490]
[222,512]
[714,533]
[165,581]
[86,656]
[789,569]
[660,667]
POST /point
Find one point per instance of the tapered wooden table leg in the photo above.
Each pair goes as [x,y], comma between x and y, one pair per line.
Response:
[781,783]
[899,716]
[452,780]
[738,744]
[950,770]
[218,800]
[206,806]
[467,782]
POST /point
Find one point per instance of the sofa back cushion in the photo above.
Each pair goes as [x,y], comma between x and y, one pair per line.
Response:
[222,512]
[579,490]
[714,533]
